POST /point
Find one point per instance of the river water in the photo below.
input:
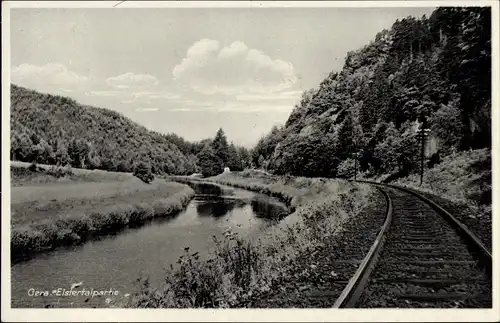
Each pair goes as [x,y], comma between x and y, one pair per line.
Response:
[114,263]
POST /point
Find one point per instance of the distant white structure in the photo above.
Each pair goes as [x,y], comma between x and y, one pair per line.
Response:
[227,170]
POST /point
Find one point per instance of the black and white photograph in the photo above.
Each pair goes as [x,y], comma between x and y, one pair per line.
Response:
[249,155]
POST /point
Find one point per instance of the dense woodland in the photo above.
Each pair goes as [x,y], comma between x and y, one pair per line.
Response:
[56,130]
[433,72]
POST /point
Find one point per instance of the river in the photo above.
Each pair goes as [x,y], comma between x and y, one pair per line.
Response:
[115,262]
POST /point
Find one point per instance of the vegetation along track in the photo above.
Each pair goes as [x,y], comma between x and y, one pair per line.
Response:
[423,257]
[320,275]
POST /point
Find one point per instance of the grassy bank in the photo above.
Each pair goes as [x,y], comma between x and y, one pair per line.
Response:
[239,270]
[22,175]
[461,183]
[56,214]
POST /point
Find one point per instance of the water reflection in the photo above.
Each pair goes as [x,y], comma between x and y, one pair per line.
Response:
[213,201]
[264,209]
[206,189]
[218,208]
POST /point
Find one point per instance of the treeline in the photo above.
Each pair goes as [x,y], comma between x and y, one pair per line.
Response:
[56,130]
[430,72]
[216,154]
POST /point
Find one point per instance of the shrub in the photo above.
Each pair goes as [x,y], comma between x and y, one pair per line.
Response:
[143,172]
[32,167]
[346,168]
[58,171]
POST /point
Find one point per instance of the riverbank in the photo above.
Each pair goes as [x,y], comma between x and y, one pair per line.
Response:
[59,213]
[239,270]
[292,191]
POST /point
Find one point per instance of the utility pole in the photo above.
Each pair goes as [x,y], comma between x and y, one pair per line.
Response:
[356,155]
[423,132]
[355,165]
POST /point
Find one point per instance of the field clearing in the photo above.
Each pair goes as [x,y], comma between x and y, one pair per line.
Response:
[53,201]
[20,175]
[48,215]
[64,191]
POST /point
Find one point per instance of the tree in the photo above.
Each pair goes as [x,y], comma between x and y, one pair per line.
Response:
[208,162]
[41,152]
[386,151]
[221,148]
[266,145]
[306,155]
[245,157]
[78,151]
[445,123]
[234,161]
[346,168]
[61,154]
[261,161]
[20,146]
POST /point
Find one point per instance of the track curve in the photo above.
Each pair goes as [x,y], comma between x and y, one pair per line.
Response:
[422,257]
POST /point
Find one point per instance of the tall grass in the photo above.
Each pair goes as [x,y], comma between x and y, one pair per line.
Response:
[76,228]
[462,177]
[240,270]
[462,184]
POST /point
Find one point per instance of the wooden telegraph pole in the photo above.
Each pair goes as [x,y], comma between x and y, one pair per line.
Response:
[355,165]
[356,155]
[422,133]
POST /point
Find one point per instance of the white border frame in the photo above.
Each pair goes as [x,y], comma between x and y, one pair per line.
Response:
[254,315]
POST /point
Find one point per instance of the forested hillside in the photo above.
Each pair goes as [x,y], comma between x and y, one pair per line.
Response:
[434,70]
[57,130]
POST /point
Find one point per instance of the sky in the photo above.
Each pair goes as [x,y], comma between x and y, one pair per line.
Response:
[191,71]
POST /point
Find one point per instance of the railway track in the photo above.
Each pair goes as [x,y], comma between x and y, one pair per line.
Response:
[422,258]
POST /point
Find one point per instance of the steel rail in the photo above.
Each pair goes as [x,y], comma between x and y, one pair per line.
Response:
[479,249]
[354,289]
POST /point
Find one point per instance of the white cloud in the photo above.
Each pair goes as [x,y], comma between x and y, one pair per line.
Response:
[48,77]
[67,90]
[102,93]
[279,96]
[147,96]
[204,103]
[131,80]
[135,100]
[146,109]
[236,69]
[169,96]
[254,107]
[181,109]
